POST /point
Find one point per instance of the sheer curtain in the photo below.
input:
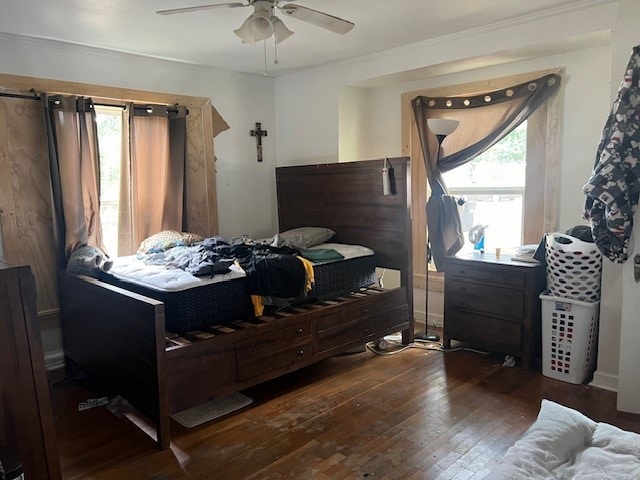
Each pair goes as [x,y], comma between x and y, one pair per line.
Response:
[485,119]
[75,172]
[152,182]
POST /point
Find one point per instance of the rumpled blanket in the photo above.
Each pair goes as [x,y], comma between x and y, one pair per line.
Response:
[564,444]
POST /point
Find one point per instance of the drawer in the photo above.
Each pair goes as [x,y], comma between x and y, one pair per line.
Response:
[365,306]
[330,320]
[497,276]
[282,357]
[358,330]
[485,332]
[188,359]
[275,350]
[262,343]
[485,299]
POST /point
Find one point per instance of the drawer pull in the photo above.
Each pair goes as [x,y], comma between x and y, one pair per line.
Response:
[301,353]
[365,311]
[300,331]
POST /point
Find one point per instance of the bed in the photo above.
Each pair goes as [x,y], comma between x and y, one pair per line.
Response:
[120,335]
[193,303]
[564,444]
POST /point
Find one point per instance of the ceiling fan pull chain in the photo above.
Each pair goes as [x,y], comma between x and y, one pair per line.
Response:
[266,70]
[275,48]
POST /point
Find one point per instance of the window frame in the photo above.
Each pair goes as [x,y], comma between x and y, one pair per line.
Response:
[542,171]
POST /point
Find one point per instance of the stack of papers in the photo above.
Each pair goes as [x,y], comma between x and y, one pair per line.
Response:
[525,254]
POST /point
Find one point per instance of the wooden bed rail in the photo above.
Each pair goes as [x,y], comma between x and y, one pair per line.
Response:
[118,337]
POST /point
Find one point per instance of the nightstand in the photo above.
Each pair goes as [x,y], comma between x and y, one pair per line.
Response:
[493,303]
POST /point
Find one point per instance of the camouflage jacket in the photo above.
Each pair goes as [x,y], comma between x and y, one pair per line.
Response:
[612,190]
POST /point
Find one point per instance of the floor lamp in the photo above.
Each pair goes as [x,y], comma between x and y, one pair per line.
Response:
[441,127]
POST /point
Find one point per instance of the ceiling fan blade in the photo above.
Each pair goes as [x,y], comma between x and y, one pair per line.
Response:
[201,7]
[320,19]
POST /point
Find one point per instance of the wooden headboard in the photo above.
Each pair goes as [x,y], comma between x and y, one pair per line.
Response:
[348,198]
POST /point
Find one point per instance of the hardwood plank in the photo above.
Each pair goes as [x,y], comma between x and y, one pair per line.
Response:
[417,414]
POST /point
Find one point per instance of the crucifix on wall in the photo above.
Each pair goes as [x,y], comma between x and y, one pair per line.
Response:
[258,133]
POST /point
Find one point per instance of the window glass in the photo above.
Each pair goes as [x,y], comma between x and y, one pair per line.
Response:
[493,186]
[109,122]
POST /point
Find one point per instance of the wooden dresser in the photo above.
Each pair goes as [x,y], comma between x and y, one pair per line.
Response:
[493,303]
[26,416]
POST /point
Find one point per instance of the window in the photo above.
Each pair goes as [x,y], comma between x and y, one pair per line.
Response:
[493,186]
[110,129]
[539,205]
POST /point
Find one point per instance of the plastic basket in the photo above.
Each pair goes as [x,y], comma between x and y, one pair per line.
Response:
[569,338]
[573,268]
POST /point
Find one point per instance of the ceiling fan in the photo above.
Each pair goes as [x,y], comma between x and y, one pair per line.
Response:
[264,23]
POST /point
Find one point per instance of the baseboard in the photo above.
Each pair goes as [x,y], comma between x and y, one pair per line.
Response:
[606,381]
[49,318]
[54,360]
[434,320]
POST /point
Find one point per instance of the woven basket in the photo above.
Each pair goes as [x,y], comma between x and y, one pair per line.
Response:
[573,268]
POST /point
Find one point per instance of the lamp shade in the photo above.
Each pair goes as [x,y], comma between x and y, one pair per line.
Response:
[442,126]
[244,33]
[281,30]
[260,26]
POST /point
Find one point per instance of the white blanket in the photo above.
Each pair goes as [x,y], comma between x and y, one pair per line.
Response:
[157,273]
[165,279]
[564,444]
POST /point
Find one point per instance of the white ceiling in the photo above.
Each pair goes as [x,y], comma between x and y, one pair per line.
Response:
[207,38]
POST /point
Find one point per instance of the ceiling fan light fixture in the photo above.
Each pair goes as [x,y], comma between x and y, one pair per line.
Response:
[243,32]
[281,31]
[260,26]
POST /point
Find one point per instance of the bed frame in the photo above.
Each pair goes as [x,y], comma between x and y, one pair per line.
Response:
[119,336]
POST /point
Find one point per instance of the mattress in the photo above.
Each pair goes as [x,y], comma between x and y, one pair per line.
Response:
[195,303]
[336,278]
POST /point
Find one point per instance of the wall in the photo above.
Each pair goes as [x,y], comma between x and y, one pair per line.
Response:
[352,123]
[314,97]
[307,106]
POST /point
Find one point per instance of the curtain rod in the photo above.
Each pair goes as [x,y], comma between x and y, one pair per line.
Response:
[170,108]
[18,95]
[38,97]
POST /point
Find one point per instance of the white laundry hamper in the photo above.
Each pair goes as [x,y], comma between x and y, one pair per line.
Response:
[574,268]
[569,338]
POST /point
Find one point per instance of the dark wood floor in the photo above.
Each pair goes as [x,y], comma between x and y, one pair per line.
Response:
[419,414]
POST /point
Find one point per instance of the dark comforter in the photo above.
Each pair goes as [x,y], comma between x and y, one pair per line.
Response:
[271,271]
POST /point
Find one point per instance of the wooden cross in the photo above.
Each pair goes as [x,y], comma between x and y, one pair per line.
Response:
[258,133]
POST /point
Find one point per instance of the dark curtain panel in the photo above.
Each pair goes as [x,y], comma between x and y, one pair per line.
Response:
[157,161]
[75,178]
[485,119]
